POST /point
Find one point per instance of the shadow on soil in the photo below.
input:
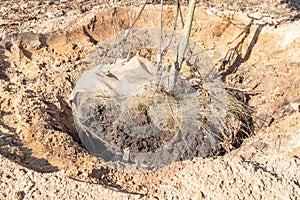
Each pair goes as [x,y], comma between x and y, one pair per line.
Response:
[234,57]
[12,148]
[102,175]
[61,119]
[3,64]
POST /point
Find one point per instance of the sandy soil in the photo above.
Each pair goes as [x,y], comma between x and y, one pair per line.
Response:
[41,50]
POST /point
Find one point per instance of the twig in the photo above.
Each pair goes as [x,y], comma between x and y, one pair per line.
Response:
[140,13]
[131,26]
[245,90]
[169,41]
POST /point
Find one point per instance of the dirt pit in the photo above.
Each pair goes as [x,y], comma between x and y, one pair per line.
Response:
[38,73]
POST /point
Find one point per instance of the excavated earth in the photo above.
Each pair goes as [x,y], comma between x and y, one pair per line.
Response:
[42,48]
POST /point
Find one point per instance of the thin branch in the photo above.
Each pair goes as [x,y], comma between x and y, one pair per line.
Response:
[140,13]
[187,31]
[159,56]
[181,50]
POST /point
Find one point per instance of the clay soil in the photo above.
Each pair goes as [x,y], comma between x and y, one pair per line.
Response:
[255,45]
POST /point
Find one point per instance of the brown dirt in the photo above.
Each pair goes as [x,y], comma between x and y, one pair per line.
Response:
[41,49]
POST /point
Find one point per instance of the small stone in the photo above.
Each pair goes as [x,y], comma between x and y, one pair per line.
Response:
[35,43]
[49,14]
[256,15]
[296,106]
